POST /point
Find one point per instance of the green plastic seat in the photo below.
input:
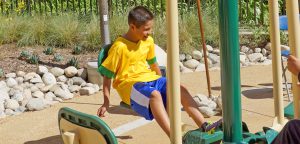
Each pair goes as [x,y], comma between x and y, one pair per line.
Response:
[87,128]
[289,110]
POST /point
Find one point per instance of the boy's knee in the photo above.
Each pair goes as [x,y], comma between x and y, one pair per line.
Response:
[155,94]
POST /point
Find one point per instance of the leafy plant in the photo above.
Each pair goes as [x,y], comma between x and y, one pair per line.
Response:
[48,51]
[24,55]
[73,62]
[58,57]
[34,59]
[77,50]
[1,73]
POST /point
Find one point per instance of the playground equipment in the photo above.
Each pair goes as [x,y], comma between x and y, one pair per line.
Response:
[234,131]
[80,128]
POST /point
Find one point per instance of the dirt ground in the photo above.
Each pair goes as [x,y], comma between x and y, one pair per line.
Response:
[10,62]
[41,127]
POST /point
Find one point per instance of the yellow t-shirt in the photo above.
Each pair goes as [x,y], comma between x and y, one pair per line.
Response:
[127,64]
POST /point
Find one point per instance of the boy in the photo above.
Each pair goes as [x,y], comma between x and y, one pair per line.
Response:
[140,87]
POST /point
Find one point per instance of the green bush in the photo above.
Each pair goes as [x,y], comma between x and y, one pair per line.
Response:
[34,59]
[73,62]
[58,57]
[48,51]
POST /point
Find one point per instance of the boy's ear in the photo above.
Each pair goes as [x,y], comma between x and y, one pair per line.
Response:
[132,26]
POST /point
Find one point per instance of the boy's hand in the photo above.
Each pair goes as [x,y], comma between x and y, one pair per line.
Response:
[293,65]
[102,110]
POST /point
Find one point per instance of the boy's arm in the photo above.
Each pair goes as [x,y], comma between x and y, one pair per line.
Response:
[155,68]
[106,94]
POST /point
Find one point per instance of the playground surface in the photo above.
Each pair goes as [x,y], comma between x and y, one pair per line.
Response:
[41,127]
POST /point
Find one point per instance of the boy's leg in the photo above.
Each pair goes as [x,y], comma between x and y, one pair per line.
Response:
[190,106]
[159,112]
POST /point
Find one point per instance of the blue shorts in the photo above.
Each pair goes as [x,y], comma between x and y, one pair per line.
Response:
[140,96]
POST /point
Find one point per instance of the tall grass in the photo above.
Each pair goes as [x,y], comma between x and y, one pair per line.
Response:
[69,30]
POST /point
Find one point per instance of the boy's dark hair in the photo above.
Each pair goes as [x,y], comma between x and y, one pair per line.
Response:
[139,16]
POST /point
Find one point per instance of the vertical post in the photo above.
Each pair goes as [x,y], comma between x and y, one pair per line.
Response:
[294,42]
[276,58]
[173,76]
[230,71]
[103,9]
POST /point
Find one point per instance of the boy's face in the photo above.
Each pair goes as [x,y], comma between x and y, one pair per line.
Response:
[143,31]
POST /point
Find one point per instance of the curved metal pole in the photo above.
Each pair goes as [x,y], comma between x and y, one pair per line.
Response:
[204,47]
[173,76]
[230,71]
[294,42]
[276,58]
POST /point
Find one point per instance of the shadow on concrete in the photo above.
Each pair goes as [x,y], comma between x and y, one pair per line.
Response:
[121,110]
[258,93]
[219,88]
[48,140]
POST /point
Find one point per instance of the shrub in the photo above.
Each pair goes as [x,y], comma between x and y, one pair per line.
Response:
[58,57]
[34,59]
[73,62]
[24,55]
[48,51]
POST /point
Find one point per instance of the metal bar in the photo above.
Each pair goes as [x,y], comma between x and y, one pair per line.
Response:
[276,58]
[230,71]
[262,12]
[204,48]
[105,37]
[294,43]
[173,76]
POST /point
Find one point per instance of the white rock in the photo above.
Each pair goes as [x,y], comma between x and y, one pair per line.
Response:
[20,74]
[192,64]
[57,99]
[200,67]
[255,57]
[196,54]
[11,104]
[63,94]
[57,71]
[264,52]
[11,82]
[214,58]
[243,59]
[206,111]
[87,91]
[257,50]
[29,76]
[49,78]
[38,94]
[27,94]
[244,49]
[186,70]
[10,75]
[41,70]
[70,71]
[18,96]
[20,80]
[49,96]
[34,88]
[209,48]
[216,51]
[188,57]
[74,88]
[40,85]
[36,104]
[62,78]
[36,80]
[268,46]
[78,81]
[181,57]
[47,88]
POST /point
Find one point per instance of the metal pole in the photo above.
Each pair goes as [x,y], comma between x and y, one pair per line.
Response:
[230,71]
[103,9]
[204,48]
[294,42]
[173,76]
[276,58]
